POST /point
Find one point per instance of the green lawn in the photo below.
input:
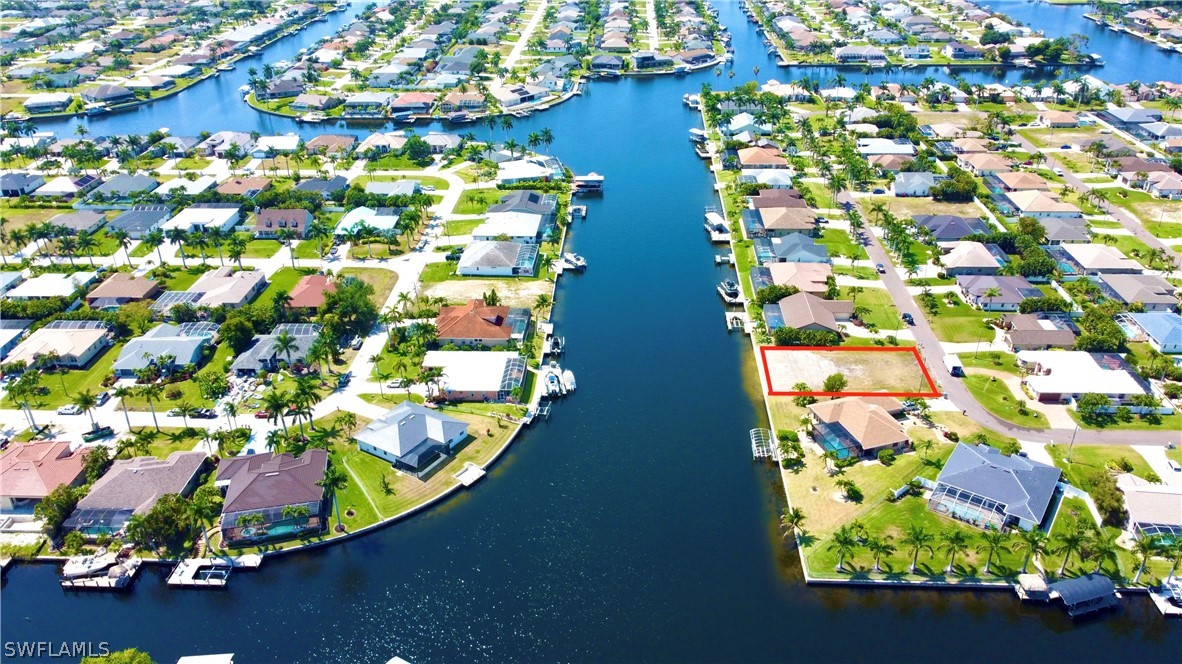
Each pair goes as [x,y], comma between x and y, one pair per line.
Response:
[998,399]
[383,281]
[188,389]
[64,386]
[1132,247]
[1165,423]
[181,278]
[310,249]
[192,164]
[1086,460]
[141,250]
[387,365]
[855,272]
[841,244]
[476,201]
[284,279]
[463,226]
[1164,230]
[882,308]
[959,323]
[173,439]
[436,272]
[992,359]
[262,248]
[390,398]
[424,180]
[392,162]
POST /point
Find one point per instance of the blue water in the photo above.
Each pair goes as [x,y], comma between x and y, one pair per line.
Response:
[631,526]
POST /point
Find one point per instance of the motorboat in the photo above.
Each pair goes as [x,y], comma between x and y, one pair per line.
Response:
[87,565]
[729,288]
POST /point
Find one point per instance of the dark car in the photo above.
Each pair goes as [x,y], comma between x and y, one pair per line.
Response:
[880,268]
[1064,147]
[907,318]
[102,398]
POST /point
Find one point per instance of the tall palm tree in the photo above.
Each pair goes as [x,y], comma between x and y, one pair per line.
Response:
[217,238]
[844,543]
[917,538]
[1144,547]
[87,244]
[284,344]
[121,393]
[86,401]
[152,392]
[1034,541]
[1103,549]
[880,546]
[953,542]
[992,542]
[204,507]
[276,403]
[1070,541]
[178,237]
[334,480]
[122,239]
[186,409]
[153,239]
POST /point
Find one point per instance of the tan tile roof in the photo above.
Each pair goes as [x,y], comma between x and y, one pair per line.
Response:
[808,277]
[32,470]
[473,320]
[244,185]
[870,420]
[761,156]
[125,286]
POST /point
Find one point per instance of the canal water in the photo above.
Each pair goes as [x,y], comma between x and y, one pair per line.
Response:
[632,525]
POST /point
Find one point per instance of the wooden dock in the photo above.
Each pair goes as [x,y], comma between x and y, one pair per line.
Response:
[210,572]
[118,577]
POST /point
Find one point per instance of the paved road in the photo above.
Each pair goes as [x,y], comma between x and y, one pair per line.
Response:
[955,390]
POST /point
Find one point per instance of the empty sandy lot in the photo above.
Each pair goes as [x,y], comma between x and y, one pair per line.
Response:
[866,371]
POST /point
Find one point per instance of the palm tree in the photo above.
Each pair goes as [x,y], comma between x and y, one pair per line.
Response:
[122,393]
[916,539]
[87,244]
[230,410]
[1144,547]
[879,546]
[953,542]
[217,237]
[178,237]
[992,542]
[284,344]
[1070,541]
[153,239]
[204,507]
[121,238]
[237,247]
[844,543]
[1034,541]
[334,480]
[86,401]
[318,230]
[275,403]
[152,392]
[1103,549]
[792,520]
[186,409]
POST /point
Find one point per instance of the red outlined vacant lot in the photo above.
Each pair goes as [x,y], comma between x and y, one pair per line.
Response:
[871,371]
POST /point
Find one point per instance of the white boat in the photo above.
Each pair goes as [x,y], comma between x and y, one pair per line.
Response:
[95,108]
[225,66]
[244,89]
[87,565]
[553,384]
[591,182]
[575,261]
[313,117]
[568,380]
[693,101]
[698,135]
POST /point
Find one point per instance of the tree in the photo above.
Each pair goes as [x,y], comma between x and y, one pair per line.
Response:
[153,239]
[1103,548]
[879,546]
[1070,541]
[237,331]
[792,520]
[284,344]
[334,480]
[1144,547]
[1091,405]
[1034,542]
[97,462]
[952,542]
[276,403]
[204,508]
[835,383]
[992,542]
[916,539]
[152,392]
[86,401]
[56,506]
[844,543]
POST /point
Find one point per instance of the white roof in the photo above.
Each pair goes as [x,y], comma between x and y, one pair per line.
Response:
[187,186]
[1076,372]
[970,255]
[1100,256]
[512,224]
[52,284]
[63,341]
[470,371]
[372,218]
[60,185]
[202,217]
[287,143]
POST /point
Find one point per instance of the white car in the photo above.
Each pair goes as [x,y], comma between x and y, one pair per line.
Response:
[69,410]
[1057,171]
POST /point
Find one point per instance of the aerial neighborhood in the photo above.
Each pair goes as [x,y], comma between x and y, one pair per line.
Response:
[294,340]
[929,299]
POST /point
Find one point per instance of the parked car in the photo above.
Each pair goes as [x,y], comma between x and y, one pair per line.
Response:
[907,318]
[205,414]
[1174,466]
[880,268]
[102,398]
[1064,147]
[396,384]
[175,412]
[1057,171]
[69,410]
[262,415]
[878,190]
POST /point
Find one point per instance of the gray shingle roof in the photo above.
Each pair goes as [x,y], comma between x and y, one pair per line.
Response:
[1025,487]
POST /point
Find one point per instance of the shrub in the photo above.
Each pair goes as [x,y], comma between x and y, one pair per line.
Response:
[886,457]
[72,543]
[788,436]
[952,435]
[173,394]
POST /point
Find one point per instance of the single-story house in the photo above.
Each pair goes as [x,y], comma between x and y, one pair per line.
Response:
[1100,259]
[380,219]
[477,324]
[1040,205]
[75,343]
[82,221]
[268,145]
[30,471]
[859,426]
[168,347]
[19,184]
[983,163]
[807,277]
[331,144]
[525,227]
[124,186]
[499,259]
[951,228]
[309,293]
[1018,181]
[1058,376]
[395,188]
[132,486]
[247,186]
[51,284]
[487,375]
[1151,290]
[325,187]
[68,186]
[914,184]
[981,486]
[778,222]
[264,356]
[792,248]
[1012,290]
[204,217]
[1066,231]
[120,289]
[411,436]
[140,220]
[1038,332]
[1163,330]
[1155,509]
[186,186]
[273,485]
[805,311]
[969,257]
[762,157]
[48,102]
[270,221]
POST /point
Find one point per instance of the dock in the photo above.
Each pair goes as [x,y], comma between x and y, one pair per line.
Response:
[739,320]
[117,577]
[1085,594]
[762,444]
[470,474]
[210,572]
[734,300]
[579,211]
[724,259]
[1168,597]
